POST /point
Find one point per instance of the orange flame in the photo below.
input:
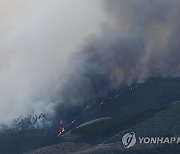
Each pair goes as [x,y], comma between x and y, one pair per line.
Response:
[62,128]
[61,131]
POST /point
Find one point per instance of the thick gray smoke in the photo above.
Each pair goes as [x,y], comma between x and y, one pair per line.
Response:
[36,39]
[140,40]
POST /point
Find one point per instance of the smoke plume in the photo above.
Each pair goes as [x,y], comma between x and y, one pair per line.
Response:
[138,41]
[37,37]
[40,72]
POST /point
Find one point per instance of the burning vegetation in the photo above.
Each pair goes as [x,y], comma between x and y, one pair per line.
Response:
[61,128]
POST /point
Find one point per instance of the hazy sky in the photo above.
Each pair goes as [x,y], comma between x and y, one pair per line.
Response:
[109,42]
[36,38]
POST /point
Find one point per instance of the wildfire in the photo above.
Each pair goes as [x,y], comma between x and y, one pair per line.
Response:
[61,131]
[61,128]
[61,123]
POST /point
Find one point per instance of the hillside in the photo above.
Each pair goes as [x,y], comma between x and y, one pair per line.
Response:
[165,122]
[149,109]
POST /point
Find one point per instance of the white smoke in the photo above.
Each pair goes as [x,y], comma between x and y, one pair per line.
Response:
[37,37]
[137,39]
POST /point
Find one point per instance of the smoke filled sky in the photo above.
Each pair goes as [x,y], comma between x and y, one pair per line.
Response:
[56,54]
[36,39]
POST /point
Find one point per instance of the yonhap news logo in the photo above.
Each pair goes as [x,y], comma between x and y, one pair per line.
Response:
[130,139]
